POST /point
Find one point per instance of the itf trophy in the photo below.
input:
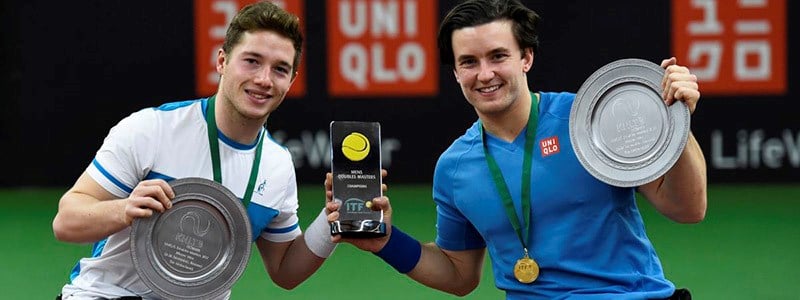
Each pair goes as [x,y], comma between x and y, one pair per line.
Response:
[356,168]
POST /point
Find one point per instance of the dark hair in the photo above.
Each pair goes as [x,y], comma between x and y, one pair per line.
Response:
[525,23]
[265,16]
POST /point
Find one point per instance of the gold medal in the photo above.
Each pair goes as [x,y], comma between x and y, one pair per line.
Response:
[526,270]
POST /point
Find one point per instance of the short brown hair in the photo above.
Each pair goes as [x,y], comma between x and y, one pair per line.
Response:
[269,17]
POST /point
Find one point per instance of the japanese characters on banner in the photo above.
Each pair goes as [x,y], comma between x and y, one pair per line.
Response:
[735,47]
[382,48]
[211,18]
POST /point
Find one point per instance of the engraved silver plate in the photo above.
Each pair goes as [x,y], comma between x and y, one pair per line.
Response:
[622,131]
[198,248]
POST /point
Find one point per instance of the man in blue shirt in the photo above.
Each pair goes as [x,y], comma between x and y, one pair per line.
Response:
[552,230]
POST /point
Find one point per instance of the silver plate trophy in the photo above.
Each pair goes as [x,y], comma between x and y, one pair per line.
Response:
[622,131]
[198,248]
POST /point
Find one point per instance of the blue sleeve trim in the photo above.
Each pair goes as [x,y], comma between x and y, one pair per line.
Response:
[116,182]
[281,230]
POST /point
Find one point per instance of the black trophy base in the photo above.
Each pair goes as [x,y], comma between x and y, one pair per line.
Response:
[358,228]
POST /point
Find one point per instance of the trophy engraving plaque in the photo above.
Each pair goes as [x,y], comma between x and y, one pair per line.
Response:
[356,169]
[198,248]
[622,131]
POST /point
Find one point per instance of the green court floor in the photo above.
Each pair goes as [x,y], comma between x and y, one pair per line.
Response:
[747,248]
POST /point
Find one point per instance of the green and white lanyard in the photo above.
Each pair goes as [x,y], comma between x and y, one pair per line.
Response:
[500,183]
[213,141]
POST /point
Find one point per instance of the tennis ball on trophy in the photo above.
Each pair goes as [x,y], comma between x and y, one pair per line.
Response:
[355,146]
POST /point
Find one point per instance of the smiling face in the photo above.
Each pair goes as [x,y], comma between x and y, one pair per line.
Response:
[256,75]
[490,66]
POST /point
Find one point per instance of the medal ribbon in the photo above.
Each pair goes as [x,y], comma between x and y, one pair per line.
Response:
[500,183]
[213,141]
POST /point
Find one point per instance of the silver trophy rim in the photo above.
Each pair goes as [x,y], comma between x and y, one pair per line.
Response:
[627,75]
[220,277]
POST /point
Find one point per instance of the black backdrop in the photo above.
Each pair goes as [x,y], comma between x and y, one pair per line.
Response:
[73,69]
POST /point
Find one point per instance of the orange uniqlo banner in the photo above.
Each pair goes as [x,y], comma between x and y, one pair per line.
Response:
[211,19]
[734,47]
[382,48]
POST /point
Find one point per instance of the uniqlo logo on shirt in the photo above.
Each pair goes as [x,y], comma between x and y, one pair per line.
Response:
[734,47]
[549,146]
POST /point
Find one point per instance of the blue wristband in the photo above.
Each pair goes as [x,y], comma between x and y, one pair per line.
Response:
[402,252]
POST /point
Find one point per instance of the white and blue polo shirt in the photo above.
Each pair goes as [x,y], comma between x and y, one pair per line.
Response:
[170,142]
